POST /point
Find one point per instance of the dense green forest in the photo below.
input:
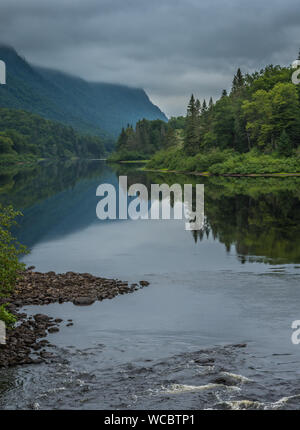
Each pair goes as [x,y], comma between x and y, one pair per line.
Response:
[253,129]
[25,136]
[147,138]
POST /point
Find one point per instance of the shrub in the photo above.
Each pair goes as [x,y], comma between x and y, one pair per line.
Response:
[10,249]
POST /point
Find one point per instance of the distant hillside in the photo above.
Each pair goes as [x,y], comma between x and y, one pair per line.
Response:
[96,108]
[26,136]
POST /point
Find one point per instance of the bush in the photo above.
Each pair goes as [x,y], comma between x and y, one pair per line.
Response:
[220,162]
[10,267]
[176,159]
[256,163]
[6,316]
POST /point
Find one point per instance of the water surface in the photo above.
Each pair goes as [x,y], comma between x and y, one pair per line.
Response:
[172,344]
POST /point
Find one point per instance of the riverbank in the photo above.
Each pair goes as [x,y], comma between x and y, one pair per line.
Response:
[232,175]
[218,162]
[25,344]
[225,163]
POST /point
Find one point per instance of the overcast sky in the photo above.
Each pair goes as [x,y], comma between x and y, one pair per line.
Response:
[170,48]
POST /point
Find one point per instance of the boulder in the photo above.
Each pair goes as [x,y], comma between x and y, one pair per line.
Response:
[83,301]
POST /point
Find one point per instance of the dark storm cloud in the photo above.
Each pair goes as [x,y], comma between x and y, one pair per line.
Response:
[169,47]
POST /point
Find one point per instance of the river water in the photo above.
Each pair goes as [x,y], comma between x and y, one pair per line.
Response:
[213,329]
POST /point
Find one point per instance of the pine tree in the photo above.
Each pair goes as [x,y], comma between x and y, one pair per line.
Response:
[238,81]
[224,93]
[122,141]
[191,143]
[240,78]
[198,107]
[169,138]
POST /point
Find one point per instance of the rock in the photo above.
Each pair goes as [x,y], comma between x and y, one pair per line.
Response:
[226,380]
[36,288]
[84,301]
[36,346]
[144,283]
[53,329]
[45,354]
[41,317]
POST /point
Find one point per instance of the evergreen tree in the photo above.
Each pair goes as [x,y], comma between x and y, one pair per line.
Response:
[238,82]
[191,143]
[122,140]
[169,138]
[198,107]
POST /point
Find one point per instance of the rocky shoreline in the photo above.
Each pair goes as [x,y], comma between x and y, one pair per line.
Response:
[26,343]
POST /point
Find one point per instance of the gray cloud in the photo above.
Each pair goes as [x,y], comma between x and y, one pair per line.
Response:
[169,47]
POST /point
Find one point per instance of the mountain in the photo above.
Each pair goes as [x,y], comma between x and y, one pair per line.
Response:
[96,108]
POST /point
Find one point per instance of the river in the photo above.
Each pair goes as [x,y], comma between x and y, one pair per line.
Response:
[212,330]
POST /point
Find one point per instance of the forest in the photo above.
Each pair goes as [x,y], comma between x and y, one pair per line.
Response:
[26,136]
[254,128]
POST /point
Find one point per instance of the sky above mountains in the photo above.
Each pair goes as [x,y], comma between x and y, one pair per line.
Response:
[170,48]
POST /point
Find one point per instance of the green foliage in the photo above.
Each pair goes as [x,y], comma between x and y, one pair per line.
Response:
[269,113]
[10,249]
[254,162]
[284,145]
[147,138]
[256,127]
[24,136]
[220,162]
[192,126]
[7,317]
[176,159]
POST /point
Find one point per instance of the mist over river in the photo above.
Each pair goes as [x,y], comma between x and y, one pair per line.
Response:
[212,330]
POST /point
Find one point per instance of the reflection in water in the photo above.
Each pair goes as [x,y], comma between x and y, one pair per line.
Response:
[50,193]
[148,349]
[259,217]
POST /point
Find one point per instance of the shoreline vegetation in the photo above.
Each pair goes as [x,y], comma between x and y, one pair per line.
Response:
[226,175]
[253,130]
[27,138]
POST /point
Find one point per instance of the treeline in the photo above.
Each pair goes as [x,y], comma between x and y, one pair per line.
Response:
[255,128]
[147,138]
[262,111]
[28,136]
